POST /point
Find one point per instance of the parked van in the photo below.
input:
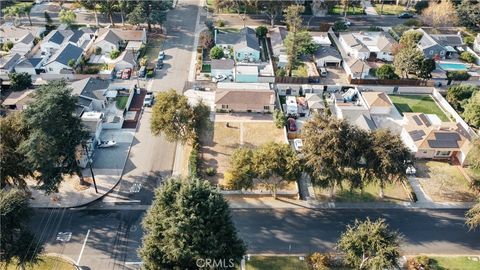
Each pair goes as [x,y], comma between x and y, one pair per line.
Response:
[142,72]
[323,72]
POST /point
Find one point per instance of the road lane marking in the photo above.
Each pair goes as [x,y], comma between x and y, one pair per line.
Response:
[83,247]
[133,263]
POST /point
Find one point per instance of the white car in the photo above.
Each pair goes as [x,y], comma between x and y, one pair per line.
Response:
[219,78]
[347,22]
[298,144]
[411,170]
[148,101]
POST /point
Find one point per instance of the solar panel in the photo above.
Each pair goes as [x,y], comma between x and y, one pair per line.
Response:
[417,135]
[442,144]
[417,120]
[425,120]
[450,136]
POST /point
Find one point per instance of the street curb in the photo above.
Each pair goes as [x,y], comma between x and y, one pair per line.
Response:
[64,257]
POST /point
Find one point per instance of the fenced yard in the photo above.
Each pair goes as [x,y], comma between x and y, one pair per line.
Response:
[419,104]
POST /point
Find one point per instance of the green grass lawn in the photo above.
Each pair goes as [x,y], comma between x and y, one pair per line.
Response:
[338,10]
[392,193]
[154,46]
[454,263]
[121,102]
[206,68]
[47,263]
[300,71]
[390,9]
[277,263]
[418,103]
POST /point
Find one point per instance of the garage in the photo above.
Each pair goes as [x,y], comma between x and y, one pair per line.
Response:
[327,57]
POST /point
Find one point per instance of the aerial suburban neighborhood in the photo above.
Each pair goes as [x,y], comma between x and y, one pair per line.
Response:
[227,134]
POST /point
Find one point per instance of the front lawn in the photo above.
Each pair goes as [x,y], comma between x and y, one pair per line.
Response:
[454,263]
[46,263]
[277,263]
[419,104]
[121,102]
[390,9]
[370,193]
[206,68]
[152,49]
[338,10]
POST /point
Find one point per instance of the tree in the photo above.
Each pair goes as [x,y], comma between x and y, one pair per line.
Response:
[124,7]
[12,12]
[206,40]
[370,245]
[173,117]
[427,66]
[387,161]
[303,43]
[20,81]
[221,4]
[201,118]
[408,60]
[410,37]
[241,173]
[17,242]
[473,157]
[472,110]
[275,163]
[108,7]
[468,57]
[294,23]
[71,63]
[386,72]
[92,5]
[458,95]
[7,46]
[261,31]
[67,16]
[150,12]
[216,53]
[279,118]
[12,166]
[25,9]
[457,76]
[137,16]
[272,9]
[473,217]
[114,54]
[340,26]
[54,135]
[469,12]
[440,14]
[188,221]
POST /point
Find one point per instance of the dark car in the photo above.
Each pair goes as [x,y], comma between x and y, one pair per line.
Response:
[159,64]
[292,126]
[405,15]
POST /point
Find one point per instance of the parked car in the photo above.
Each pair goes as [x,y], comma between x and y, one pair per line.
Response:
[161,55]
[126,74]
[405,15]
[106,144]
[159,64]
[298,144]
[148,101]
[323,72]
[219,78]
[118,75]
[292,125]
[347,22]
[142,72]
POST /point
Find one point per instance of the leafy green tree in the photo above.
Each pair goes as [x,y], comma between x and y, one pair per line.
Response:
[408,60]
[188,220]
[410,37]
[261,31]
[7,46]
[114,54]
[427,66]
[108,7]
[25,9]
[303,42]
[473,217]
[340,26]
[124,7]
[67,16]
[92,5]
[457,76]
[150,12]
[71,63]
[12,166]
[137,16]
[18,244]
[279,118]
[20,81]
[54,135]
[201,118]
[386,72]
[472,110]
[173,117]
[294,23]
[458,95]
[370,245]
[469,40]
[12,12]
[468,57]
[241,173]
[469,12]
[274,164]
[216,53]
[272,9]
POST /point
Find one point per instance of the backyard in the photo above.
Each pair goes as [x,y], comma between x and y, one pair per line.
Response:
[121,102]
[221,141]
[419,104]
[370,193]
[390,9]
[443,182]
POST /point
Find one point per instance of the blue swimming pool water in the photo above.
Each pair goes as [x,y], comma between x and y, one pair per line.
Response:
[452,66]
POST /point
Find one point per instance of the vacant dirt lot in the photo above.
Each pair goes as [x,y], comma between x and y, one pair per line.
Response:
[221,141]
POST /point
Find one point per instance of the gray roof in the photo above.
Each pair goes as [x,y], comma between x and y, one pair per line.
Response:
[127,56]
[77,34]
[67,52]
[277,35]
[29,63]
[58,36]
[86,88]
[327,51]
[27,39]
[110,37]
[244,38]
[223,64]
[448,40]
[9,62]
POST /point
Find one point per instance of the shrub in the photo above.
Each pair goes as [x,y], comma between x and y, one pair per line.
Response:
[150,74]
[211,171]
[375,29]
[261,31]
[281,72]
[418,263]
[412,22]
[220,23]
[386,72]
[457,75]
[216,53]
[340,26]
[114,54]
[319,261]
[193,161]
[143,61]
[7,46]
[421,5]
[98,50]
[279,118]
[468,57]
[469,40]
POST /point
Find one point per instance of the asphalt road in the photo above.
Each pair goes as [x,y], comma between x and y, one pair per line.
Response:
[115,235]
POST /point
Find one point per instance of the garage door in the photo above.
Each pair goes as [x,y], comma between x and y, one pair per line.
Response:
[332,64]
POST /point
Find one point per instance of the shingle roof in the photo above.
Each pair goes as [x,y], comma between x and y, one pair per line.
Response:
[58,36]
[252,97]
[89,88]
[327,51]
[222,64]
[9,62]
[377,99]
[27,39]
[67,52]
[77,34]
[244,38]
[121,35]
[109,36]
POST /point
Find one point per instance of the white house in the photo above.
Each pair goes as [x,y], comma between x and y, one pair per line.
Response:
[58,63]
[355,68]
[55,40]
[8,63]
[29,65]
[127,59]
[327,56]
[111,39]
[363,45]
[222,67]
[23,46]
[321,38]
[15,33]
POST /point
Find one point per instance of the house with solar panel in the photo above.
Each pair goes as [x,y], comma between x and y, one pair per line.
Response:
[428,137]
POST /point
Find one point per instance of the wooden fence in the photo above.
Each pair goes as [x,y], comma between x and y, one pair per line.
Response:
[398,82]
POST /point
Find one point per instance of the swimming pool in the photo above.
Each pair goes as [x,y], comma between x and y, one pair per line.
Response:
[452,66]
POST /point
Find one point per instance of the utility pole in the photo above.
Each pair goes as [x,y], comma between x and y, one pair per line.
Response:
[91,169]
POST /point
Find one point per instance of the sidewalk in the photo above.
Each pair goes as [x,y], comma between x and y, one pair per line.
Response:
[369,9]
[108,166]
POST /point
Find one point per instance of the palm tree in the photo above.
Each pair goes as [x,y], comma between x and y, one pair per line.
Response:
[108,7]
[93,6]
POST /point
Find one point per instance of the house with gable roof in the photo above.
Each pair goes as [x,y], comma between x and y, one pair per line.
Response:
[440,45]
[245,44]
[365,45]
[58,62]
[110,39]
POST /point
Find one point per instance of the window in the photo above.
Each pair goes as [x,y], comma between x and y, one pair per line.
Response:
[50,69]
[431,52]
[238,55]
[224,106]
[442,52]
[443,153]
[266,108]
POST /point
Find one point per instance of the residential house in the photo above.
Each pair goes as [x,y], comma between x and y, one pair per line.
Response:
[110,39]
[55,40]
[8,63]
[246,74]
[440,46]
[9,32]
[327,56]
[59,62]
[260,101]
[356,68]
[428,137]
[321,38]
[18,100]
[277,37]
[368,45]
[352,107]
[315,102]
[30,65]
[127,59]
[245,44]
[24,45]
[222,67]
[377,102]
[91,94]
[83,38]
